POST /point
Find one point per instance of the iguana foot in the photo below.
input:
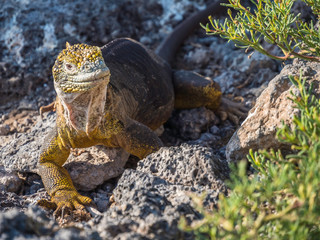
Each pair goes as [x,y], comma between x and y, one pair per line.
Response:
[232,110]
[64,201]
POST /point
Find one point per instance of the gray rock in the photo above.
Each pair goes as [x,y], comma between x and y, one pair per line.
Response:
[237,67]
[145,40]
[33,224]
[22,153]
[88,168]
[150,201]
[256,72]
[33,184]
[223,51]
[151,207]
[101,199]
[253,64]
[9,200]
[33,32]
[188,165]
[19,225]
[271,108]
[207,140]
[256,91]
[214,130]
[4,129]
[95,165]
[9,181]
[175,11]
[228,80]
[199,56]
[76,233]
[190,123]
[262,77]
[238,60]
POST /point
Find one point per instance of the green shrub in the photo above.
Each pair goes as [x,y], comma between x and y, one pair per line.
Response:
[281,199]
[272,21]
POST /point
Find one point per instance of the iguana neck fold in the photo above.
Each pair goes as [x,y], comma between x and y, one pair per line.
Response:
[84,111]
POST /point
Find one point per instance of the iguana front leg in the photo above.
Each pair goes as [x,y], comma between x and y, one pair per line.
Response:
[137,139]
[56,179]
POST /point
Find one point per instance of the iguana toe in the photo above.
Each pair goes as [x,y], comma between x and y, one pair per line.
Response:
[222,114]
[46,204]
[62,210]
[232,110]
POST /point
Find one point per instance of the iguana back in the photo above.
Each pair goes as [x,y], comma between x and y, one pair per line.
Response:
[140,82]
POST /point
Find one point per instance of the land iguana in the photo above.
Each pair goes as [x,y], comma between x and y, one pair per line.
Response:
[116,96]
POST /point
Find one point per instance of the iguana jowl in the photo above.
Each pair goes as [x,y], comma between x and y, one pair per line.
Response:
[116,95]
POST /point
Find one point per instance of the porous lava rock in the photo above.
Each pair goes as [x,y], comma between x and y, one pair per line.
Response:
[150,201]
[188,165]
[272,108]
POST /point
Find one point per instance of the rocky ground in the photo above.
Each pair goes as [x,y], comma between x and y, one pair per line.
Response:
[138,199]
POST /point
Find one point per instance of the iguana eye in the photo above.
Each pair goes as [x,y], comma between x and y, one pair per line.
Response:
[69,67]
[87,67]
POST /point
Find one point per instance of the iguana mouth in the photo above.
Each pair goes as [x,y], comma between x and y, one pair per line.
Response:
[85,81]
[97,76]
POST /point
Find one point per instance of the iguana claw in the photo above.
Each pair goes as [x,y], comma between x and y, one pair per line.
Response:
[64,201]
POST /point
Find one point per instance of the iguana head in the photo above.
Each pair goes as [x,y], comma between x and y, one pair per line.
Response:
[80,80]
[79,68]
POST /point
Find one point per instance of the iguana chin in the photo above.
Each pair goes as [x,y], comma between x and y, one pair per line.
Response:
[116,96]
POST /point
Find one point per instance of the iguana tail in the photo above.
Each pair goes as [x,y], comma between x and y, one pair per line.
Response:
[169,46]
